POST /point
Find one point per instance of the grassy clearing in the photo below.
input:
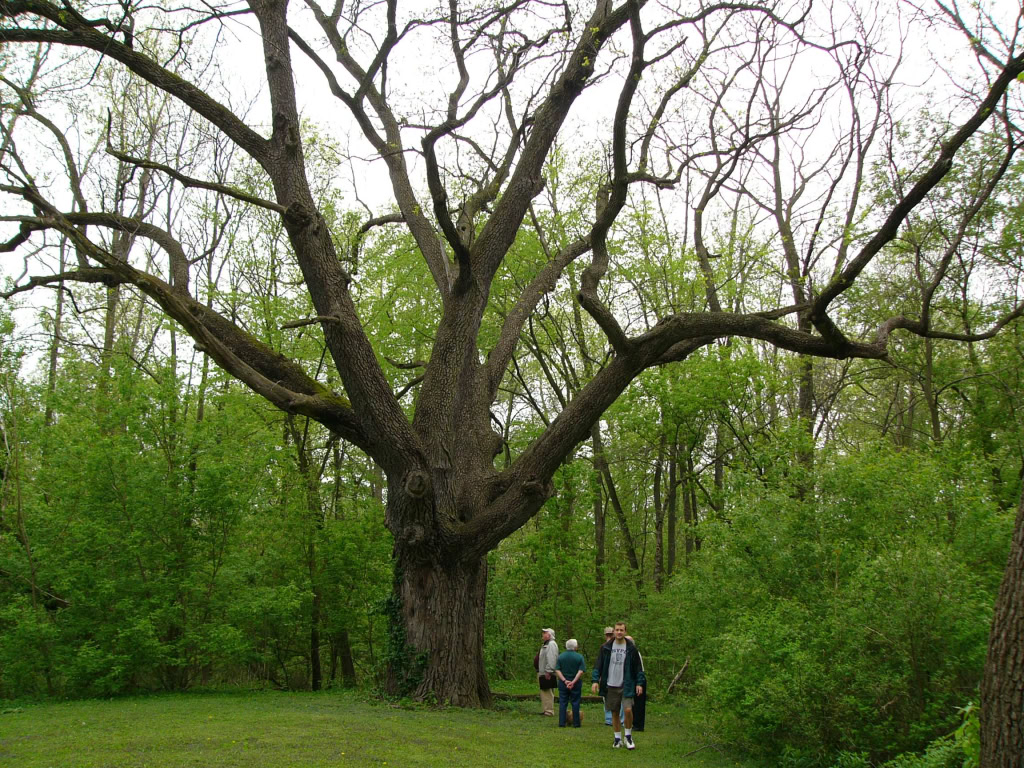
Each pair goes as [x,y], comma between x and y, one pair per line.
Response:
[278,730]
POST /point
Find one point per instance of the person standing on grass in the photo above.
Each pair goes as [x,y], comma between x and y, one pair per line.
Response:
[619,676]
[547,658]
[640,702]
[570,668]
[609,633]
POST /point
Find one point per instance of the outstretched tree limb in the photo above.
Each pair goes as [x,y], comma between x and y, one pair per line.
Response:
[89,275]
[274,377]
[818,312]
[188,181]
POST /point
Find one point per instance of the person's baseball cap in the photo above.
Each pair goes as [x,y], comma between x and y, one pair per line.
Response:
[549,631]
[609,631]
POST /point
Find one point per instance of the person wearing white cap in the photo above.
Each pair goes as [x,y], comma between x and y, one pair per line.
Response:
[547,659]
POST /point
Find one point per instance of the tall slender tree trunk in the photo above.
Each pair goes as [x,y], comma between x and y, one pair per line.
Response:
[342,647]
[314,524]
[659,516]
[601,462]
[599,531]
[109,333]
[930,398]
[690,516]
[1002,687]
[905,413]
[673,501]
[805,406]
[315,669]
[566,592]
[54,356]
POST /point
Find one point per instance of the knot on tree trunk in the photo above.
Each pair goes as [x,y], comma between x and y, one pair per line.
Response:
[538,489]
[299,216]
[416,484]
[495,444]
[413,535]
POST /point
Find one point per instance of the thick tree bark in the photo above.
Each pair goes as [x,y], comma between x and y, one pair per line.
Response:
[1002,688]
[438,651]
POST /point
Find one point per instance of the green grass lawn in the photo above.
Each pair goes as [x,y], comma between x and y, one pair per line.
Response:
[305,730]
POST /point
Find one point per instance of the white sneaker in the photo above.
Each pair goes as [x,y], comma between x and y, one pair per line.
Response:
[617,743]
[629,742]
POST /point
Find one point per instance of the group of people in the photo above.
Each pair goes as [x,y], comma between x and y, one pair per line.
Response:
[618,675]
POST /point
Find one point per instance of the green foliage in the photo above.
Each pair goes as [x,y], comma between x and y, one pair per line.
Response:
[942,753]
[404,665]
[855,621]
[165,551]
[968,735]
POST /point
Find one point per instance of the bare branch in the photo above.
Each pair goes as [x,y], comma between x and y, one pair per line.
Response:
[71,29]
[193,183]
[928,180]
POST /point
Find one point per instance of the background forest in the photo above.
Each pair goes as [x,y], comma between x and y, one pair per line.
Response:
[795,278]
[827,582]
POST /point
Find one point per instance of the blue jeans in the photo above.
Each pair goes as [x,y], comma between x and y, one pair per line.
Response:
[565,696]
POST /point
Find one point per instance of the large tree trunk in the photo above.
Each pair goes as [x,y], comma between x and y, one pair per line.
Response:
[1002,688]
[437,649]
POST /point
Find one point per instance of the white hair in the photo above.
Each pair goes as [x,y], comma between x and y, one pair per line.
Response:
[570,644]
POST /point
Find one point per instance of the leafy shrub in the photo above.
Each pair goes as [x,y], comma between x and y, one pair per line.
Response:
[848,627]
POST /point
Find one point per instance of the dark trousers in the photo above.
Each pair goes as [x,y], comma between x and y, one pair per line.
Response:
[565,696]
[639,711]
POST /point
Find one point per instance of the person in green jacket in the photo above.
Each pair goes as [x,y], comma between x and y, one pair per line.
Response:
[570,668]
[619,676]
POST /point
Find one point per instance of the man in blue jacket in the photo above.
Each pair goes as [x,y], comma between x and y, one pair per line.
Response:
[619,676]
